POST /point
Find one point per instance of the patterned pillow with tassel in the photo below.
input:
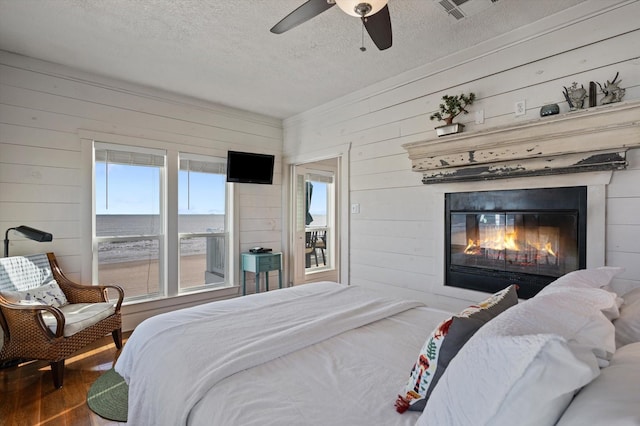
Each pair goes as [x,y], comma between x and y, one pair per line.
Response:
[444,343]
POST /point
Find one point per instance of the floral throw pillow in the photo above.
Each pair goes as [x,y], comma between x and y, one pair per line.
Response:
[48,294]
[444,343]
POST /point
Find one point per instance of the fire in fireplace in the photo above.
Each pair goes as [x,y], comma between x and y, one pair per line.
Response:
[526,237]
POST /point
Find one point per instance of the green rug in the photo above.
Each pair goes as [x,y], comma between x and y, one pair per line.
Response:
[108,396]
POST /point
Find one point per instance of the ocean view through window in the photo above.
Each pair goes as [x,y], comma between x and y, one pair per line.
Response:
[129,226]
[202,221]
[133,210]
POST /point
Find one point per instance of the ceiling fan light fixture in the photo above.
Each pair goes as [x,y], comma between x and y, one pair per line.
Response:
[360,8]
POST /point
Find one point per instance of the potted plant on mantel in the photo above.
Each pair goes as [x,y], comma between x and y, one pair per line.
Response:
[450,109]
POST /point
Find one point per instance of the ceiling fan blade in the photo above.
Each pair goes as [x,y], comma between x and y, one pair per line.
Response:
[306,11]
[379,28]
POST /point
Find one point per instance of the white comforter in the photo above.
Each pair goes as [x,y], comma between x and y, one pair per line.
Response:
[172,361]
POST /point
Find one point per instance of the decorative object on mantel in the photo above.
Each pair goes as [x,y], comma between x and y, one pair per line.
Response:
[575,96]
[612,92]
[450,109]
[593,100]
[549,109]
[597,139]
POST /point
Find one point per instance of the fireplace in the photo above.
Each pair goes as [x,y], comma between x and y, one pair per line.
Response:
[527,237]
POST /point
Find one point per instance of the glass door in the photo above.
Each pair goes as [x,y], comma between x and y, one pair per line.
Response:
[315,222]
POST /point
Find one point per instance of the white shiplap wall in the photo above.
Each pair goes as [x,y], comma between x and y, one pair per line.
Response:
[45,109]
[395,240]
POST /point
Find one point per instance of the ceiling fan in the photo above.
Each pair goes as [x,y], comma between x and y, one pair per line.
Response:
[374,15]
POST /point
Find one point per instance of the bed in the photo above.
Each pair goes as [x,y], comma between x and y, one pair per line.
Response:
[330,354]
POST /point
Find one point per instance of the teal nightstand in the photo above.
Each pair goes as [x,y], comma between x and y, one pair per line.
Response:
[257,263]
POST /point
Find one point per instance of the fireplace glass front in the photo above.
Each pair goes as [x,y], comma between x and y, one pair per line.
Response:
[523,237]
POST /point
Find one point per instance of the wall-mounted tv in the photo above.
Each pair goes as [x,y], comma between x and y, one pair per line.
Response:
[248,167]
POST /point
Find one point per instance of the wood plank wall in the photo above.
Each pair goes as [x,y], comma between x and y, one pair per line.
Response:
[44,107]
[395,245]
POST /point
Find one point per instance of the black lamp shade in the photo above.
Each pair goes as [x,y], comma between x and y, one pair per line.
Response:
[30,233]
[34,234]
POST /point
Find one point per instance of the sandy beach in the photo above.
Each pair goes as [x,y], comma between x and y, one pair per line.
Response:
[140,277]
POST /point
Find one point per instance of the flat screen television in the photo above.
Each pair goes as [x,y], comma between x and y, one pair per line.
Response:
[248,167]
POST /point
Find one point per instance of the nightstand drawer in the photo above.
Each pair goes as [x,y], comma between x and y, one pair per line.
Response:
[269,263]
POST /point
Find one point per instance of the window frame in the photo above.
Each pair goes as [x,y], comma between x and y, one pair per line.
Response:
[161,237]
[170,263]
[227,225]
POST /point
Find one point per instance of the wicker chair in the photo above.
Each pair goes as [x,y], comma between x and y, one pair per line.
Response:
[34,330]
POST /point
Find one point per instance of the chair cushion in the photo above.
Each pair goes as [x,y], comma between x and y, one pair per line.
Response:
[79,316]
[48,294]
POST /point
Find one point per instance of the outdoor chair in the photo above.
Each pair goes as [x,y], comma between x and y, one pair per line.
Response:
[321,244]
[46,316]
[310,248]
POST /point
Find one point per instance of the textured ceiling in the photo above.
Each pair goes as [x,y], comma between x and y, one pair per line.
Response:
[222,51]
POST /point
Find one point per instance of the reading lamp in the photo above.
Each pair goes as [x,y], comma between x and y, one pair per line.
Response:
[30,233]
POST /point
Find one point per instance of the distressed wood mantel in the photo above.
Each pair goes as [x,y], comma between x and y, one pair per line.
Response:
[597,138]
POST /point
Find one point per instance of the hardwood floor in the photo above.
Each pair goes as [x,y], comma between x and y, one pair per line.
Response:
[28,398]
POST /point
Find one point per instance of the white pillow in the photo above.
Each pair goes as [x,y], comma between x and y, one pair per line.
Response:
[632,296]
[535,354]
[587,278]
[510,380]
[595,298]
[628,324]
[576,317]
[622,287]
[613,398]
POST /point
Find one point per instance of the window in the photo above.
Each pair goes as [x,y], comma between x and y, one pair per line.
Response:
[161,221]
[202,221]
[129,219]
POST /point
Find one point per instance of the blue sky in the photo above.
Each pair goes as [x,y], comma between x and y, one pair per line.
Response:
[134,190]
[131,190]
[204,193]
[319,198]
